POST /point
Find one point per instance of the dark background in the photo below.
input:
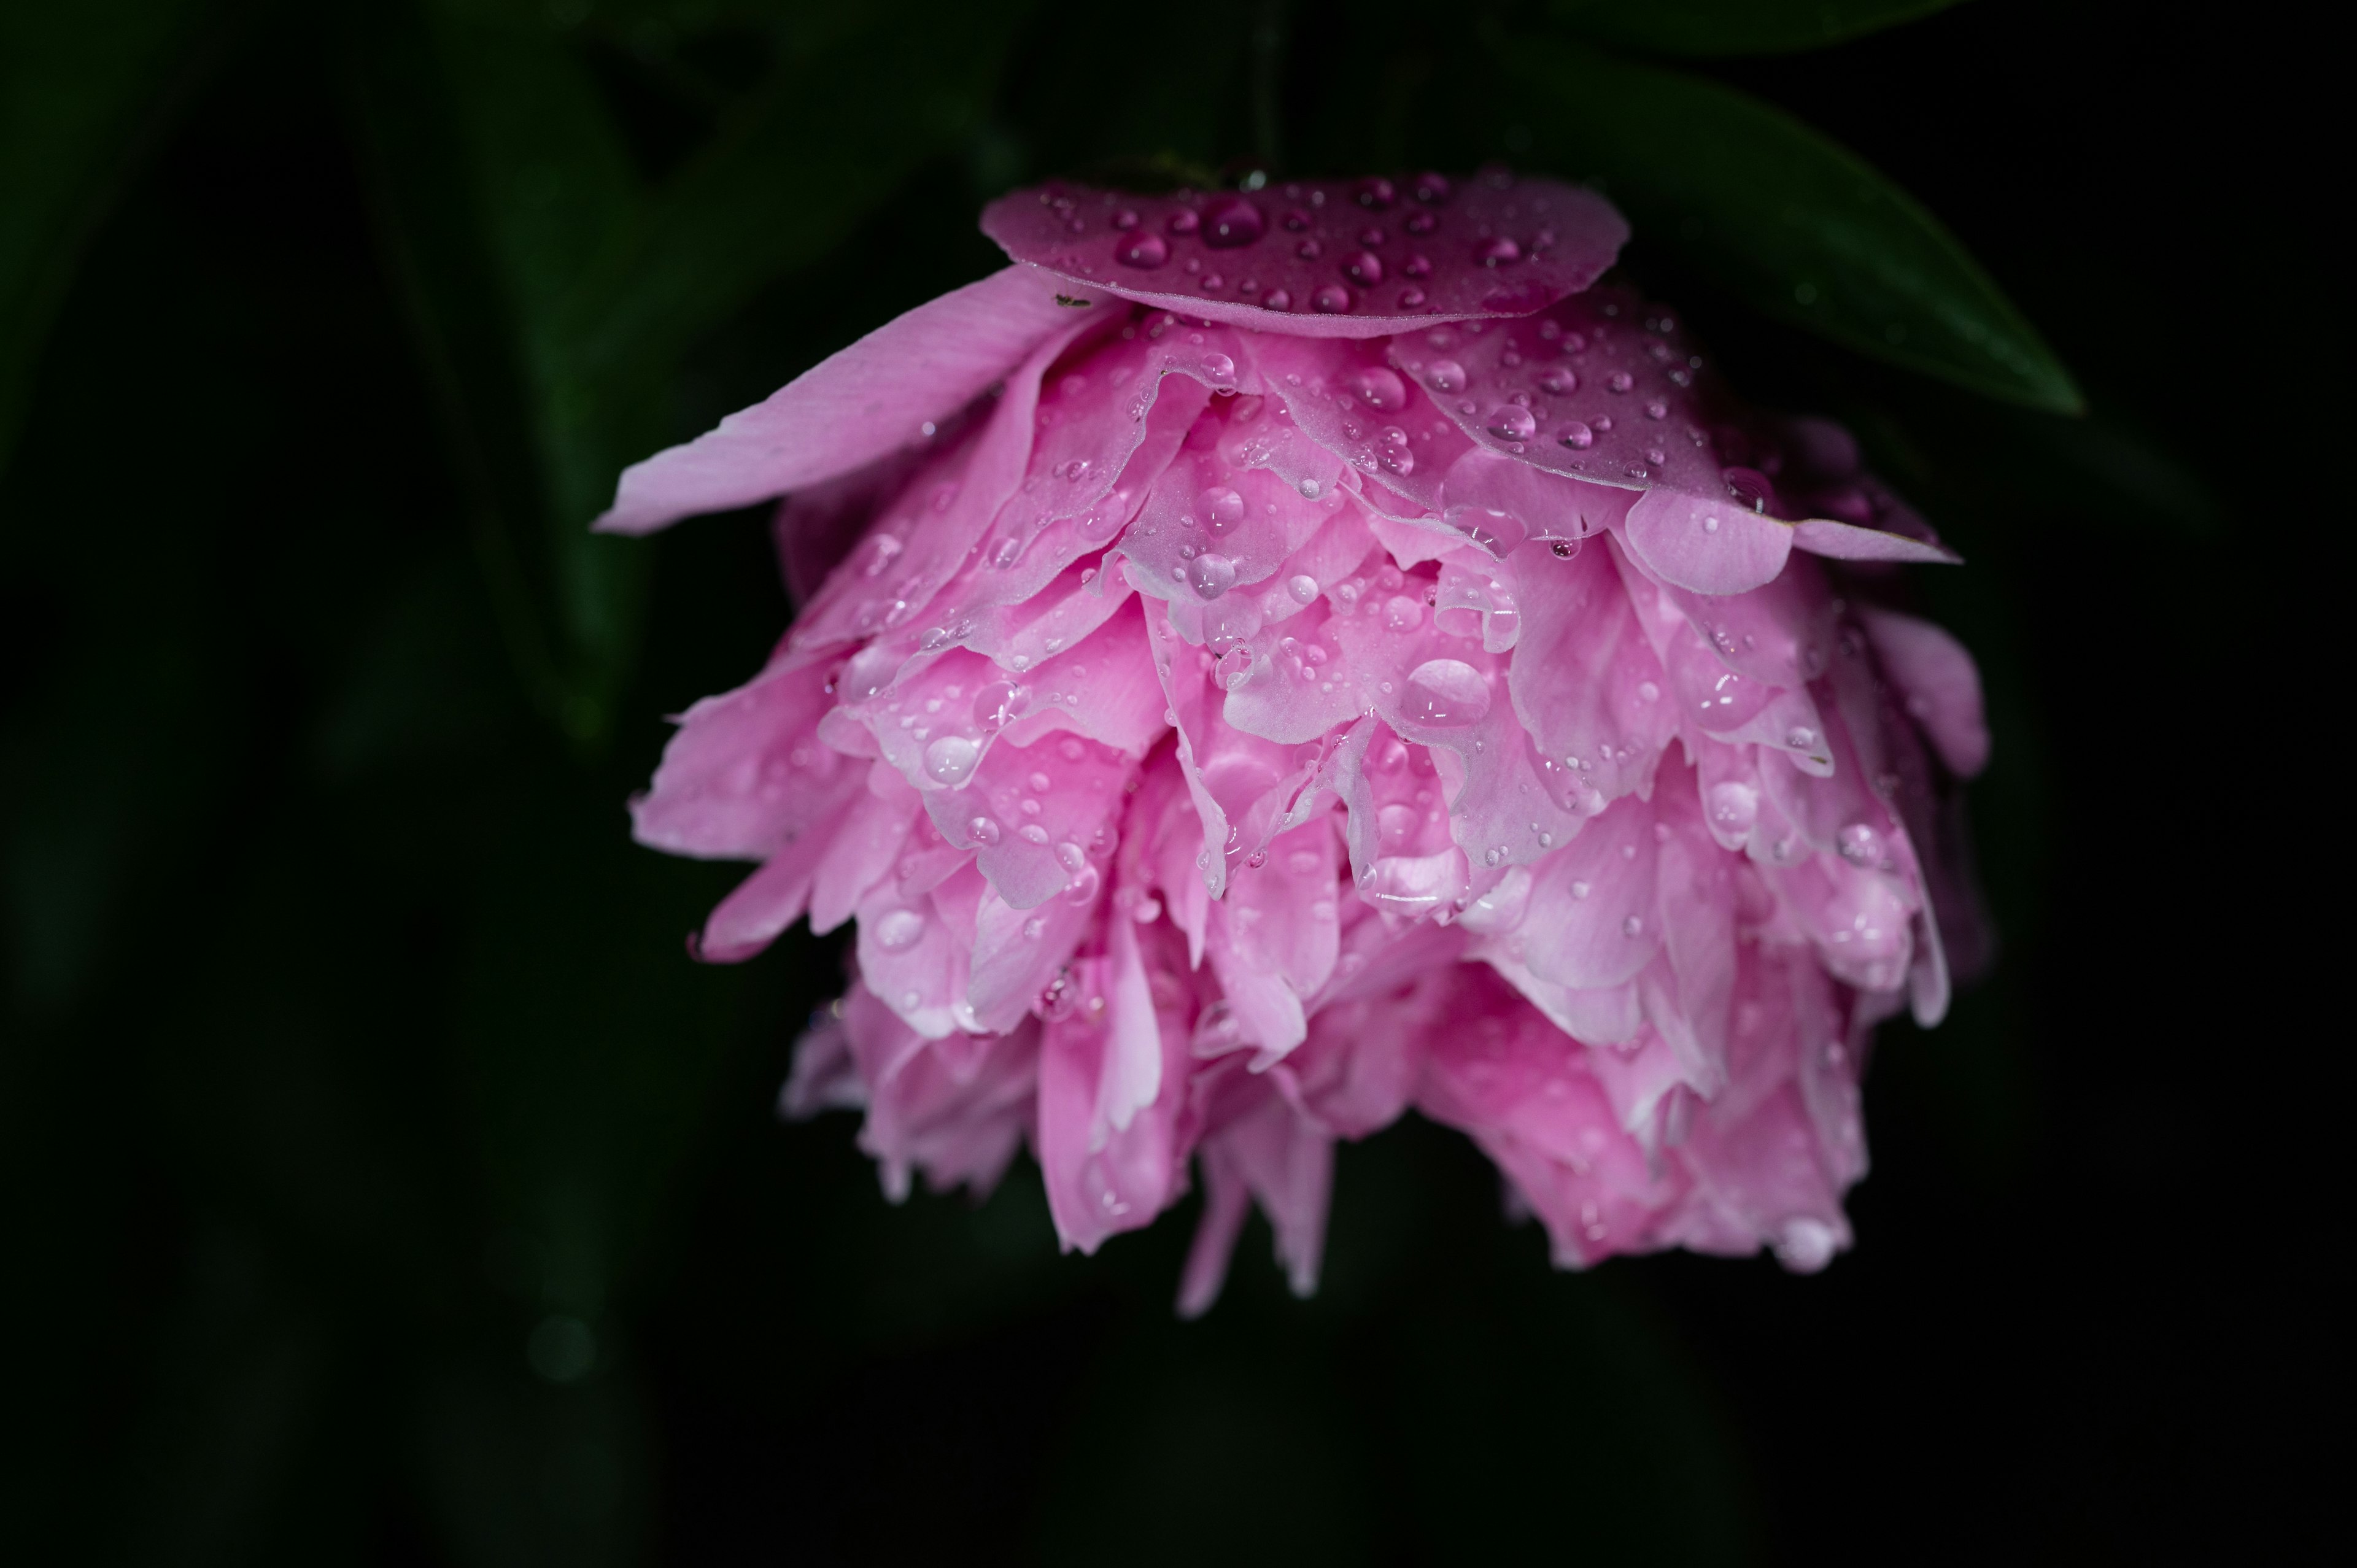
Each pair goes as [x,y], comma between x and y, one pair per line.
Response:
[349,1038]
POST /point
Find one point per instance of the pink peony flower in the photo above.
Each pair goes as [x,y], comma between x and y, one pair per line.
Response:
[1299,655]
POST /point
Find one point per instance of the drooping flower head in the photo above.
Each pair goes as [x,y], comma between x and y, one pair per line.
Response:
[1272,661]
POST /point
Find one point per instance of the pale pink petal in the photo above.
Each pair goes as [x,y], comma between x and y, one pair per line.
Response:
[1593,920]
[1585,682]
[1848,542]
[746,774]
[765,903]
[860,404]
[862,848]
[1706,544]
[1101,1179]
[915,962]
[1038,818]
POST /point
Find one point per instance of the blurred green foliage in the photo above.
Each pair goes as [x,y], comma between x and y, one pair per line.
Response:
[384,1184]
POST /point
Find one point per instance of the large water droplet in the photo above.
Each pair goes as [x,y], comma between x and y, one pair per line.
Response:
[1232,223]
[1444,375]
[1860,846]
[1734,807]
[1446,692]
[899,929]
[1402,612]
[950,759]
[1365,269]
[1332,298]
[1577,436]
[999,705]
[1302,587]
[1212,574]
[1379,387]
[1512,421]
[1498,252]
[1218,370]
[1222,508]
[1142,251]
[1083,884]
[983,830]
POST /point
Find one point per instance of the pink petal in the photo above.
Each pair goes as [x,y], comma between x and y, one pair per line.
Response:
[1848,542]
[746,774]
[1593,918]
[1585,682]
[763,904]
[959,1121]
[1101,1180]
[1017,954]
[1311,259]
[915,962]
[1940,686]
[1704,543]
[1288,1165]
[854,406]
[1227,1203]
[862,848]
[930,533]
[1039,817]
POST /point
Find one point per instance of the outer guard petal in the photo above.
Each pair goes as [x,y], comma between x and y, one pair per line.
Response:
[1321,258]
[858,405]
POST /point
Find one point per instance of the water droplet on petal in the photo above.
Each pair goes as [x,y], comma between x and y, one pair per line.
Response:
[1860,844]
[1446,692]
[1498,252]
[983,830]
[1218,370]
[950,759]
[1142,251]
[1512,421]
[1211,574]
[1232,223]
[1365,269]
[1222,509]
[1444,375]
[999,704]
[1379,387]
[1558,380]
[899,929]
[1303,589]
[1331,298]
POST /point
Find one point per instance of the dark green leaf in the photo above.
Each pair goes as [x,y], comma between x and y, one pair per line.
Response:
[79,88]
[561,281]
[1795,223]
[1739,26]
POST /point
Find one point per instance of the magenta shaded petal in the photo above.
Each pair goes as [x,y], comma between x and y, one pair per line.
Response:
[854,406]
[1310,260]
